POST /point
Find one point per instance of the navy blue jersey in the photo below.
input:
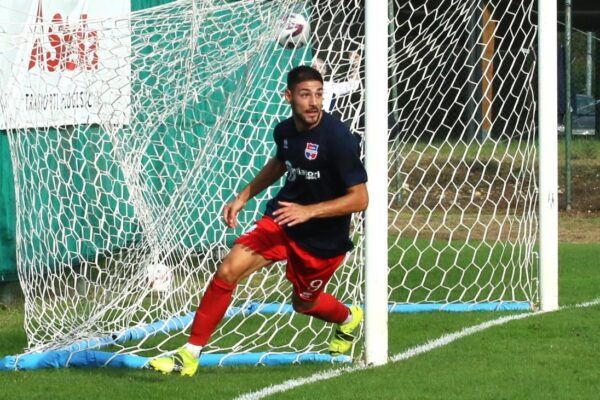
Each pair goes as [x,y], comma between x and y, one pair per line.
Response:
[322,163]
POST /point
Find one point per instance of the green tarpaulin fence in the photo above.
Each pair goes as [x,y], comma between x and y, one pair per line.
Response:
[92,227]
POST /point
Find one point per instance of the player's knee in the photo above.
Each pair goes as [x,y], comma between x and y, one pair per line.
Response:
[228,272]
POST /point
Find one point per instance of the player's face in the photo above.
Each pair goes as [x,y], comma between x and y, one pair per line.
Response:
[307,103]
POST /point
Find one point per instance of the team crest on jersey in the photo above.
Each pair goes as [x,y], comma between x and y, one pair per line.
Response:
[312,151]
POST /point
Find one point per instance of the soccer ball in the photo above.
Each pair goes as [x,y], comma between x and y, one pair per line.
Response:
[158,277]
[295,33]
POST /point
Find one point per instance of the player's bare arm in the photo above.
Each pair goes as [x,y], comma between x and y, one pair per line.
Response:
[272,171]
[355,200]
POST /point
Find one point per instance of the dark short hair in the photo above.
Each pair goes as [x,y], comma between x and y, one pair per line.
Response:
[301,74]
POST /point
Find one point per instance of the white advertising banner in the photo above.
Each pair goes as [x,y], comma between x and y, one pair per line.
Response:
[64,62]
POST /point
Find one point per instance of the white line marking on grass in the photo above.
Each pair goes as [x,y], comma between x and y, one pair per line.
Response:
[451,337]
[292,383]
[414,351]
[594,302]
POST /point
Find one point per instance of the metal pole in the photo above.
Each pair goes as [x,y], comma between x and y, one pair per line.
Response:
[548,152]
[568,102]
[394,81]
[597,86]
[473,93]
[589,63]
[376,250]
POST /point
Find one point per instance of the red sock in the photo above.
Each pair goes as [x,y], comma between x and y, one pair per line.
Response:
[329,309]
[212,308]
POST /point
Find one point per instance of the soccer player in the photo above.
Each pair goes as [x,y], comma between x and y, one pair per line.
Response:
[307,223]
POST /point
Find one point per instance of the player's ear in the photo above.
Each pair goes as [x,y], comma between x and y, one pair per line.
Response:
[288,95]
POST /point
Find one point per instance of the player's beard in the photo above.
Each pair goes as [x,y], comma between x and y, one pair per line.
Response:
[307,120]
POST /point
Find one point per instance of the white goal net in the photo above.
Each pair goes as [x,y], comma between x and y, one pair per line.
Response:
[120,187]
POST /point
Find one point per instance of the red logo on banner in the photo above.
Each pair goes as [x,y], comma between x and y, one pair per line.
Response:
[64,47]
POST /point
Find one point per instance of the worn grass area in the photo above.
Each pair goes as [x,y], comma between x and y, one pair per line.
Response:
[582,149]
[574,227]
[485,177]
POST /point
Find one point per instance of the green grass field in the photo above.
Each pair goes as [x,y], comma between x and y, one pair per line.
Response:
[552,355]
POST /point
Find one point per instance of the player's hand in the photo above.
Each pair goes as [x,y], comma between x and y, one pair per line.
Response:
[291,214]
[355,58]
[231,211]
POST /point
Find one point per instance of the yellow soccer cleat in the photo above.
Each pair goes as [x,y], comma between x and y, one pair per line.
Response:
[343,337]
[182,361]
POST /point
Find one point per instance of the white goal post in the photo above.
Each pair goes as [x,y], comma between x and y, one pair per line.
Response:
[376,218]
[547,121]
[120,190]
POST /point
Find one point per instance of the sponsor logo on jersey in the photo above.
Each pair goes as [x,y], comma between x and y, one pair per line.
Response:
[312,151]
[293,173]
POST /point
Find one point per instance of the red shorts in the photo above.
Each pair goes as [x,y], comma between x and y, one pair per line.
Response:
[308,274]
